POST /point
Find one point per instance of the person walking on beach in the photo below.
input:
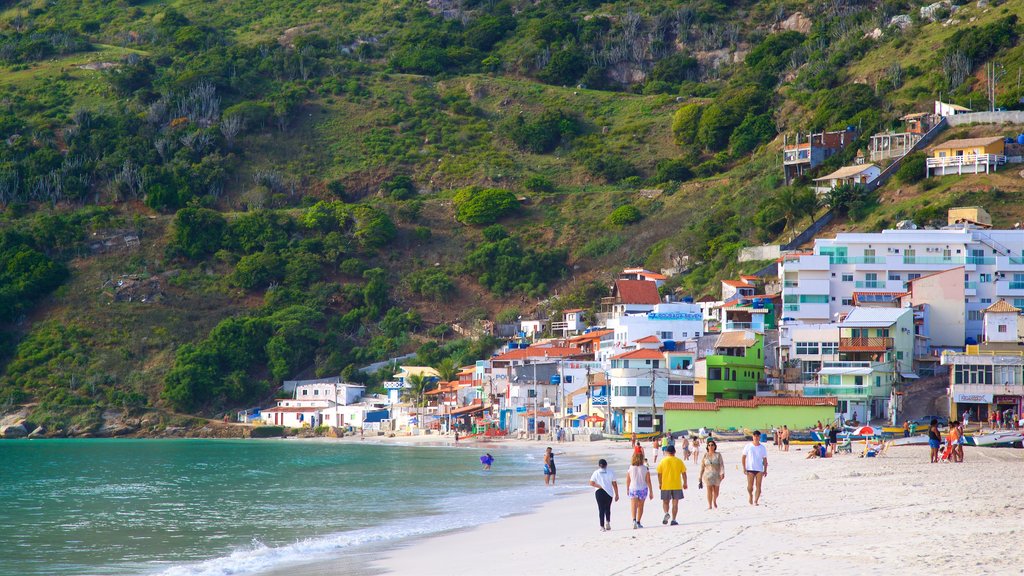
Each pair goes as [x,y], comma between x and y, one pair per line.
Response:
[934,440]
[833,438]
[695,448]
[684,447]
[549,467]
[785,438]
[755,464]
[712,472]
[671,482]
[957,432]
[638,488]
[633,440]
[656,448]
[906,429]
[604,480]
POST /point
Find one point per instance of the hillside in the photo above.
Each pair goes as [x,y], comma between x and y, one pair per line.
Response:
[200,199]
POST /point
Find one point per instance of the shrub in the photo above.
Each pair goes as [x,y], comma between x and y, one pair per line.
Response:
[483,206]
[373,227]
[431,283]
[676,68]
[543,134]
[625,215]
[399,188]
[684,124]
[912,168]
[197,232]
[612,167]
[672,171]
[751,133]
[537,183]
[258,270]
[600,246]
[267,432]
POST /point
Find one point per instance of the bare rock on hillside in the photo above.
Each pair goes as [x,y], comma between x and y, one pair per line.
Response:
[13,431]
[933,12]
[797,22]
[874,34]
[901,21]
[114,424]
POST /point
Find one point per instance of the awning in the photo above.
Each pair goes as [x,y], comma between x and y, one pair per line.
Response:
[909,375]
[852,371]
[466,410]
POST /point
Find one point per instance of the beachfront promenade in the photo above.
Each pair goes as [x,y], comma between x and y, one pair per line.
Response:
[846,515]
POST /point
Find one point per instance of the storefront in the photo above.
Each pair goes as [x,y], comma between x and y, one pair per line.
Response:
[976,405]
[1008,406]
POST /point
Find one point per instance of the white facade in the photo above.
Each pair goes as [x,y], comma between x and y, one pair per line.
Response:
[818,287]
[343,393]
[676,321]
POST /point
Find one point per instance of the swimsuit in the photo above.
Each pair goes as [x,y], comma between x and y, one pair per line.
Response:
[712,464]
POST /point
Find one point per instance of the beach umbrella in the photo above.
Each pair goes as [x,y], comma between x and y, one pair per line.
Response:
[595,419]
[864,431]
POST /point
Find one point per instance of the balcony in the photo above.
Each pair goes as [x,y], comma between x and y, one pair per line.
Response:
[870,284]
[868,344]
[932,260]
[980,261]
[1010,288]
[858,391]
[743,326]
[790,284]
[857,259]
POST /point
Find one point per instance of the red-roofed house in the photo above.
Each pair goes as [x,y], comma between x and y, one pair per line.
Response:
[630,297]
[643,274]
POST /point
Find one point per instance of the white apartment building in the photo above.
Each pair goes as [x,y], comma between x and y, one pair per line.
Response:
[669,322]
[818,287]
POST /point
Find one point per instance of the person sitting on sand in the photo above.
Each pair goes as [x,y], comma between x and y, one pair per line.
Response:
[814,453]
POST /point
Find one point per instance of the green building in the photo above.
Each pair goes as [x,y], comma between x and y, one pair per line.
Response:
[735,368]
[761,412]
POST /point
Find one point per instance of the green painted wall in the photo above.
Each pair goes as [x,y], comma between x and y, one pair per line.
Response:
[796,417]
[749,370]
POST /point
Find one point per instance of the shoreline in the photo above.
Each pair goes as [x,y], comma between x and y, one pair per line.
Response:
[896,513]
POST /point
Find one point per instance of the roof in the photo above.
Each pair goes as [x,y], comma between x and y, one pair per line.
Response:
[874,316]
[846,172]
[968,142]
[637,291]
[578,391]
[645,272]
[552,352]
[420,370]
[649,340]
[472,408]
[740,339]
[641,354]
[737,283]
[540,413]
[849,371]
[294,409]
[752,403]
[707,299]
[571,310]
[915,115]
[595,335]
[1002,306]
[929,275]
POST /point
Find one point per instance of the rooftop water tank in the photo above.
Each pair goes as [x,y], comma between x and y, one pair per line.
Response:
[1020,139]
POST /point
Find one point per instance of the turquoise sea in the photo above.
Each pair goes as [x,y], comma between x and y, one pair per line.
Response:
[219,507]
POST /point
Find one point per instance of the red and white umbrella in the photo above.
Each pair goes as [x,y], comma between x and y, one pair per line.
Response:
[864,431]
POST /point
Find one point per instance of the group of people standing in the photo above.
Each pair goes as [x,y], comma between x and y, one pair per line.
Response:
[672,478]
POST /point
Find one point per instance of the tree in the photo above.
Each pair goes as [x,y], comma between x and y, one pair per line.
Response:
[447,369]
[841,198]
[625,215]
[483,206]
[912,168]
[714,128]
[795,203]
[416,392]
[751,133]
[197,232]
[685,123]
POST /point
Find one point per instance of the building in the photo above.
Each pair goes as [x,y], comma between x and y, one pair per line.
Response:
[808,151]
[858,360]
[629,297]
[572,323]
[968,156]
[760,412]
[669,322]
[757,313]
[400,381]
[643,274]
[989,376]
[895,144]
[861,175]
[818,287]
[945,109]
[736,366]
[342,393]
[639,388]
[939,302]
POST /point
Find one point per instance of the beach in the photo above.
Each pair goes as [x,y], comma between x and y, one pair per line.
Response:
[894,514]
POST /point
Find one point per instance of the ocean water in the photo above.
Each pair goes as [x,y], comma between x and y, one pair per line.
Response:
[239,507]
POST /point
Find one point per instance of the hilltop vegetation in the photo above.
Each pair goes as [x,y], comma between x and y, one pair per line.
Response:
[318,185]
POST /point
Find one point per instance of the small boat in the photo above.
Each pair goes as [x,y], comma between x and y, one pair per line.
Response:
[1007,438]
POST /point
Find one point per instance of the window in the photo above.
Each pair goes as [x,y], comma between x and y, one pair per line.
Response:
[871,276]
[305,392]
[657,363]
[679,389]
[568,379]
[1018,302]
[847,301]
[531,393]
[899,355]
[830,347]
[986,300]
[974,315]
[624,391]
[806,348]
[984,277]
[835,379]
[714,373]
[913,276]
[841,406]
[947,255]
[858,380]
[316,392]
[644,392]
[665,335]
[808,370]
[894,276]
[869,256]
[968,374]
[878,381]
[645,421]
[847,277]
[1002,328]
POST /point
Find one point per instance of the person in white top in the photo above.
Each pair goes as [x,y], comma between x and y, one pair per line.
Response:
[638,488]
[604,480]
[755,464]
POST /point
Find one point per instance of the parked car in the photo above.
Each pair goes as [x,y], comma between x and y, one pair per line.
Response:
[926,421]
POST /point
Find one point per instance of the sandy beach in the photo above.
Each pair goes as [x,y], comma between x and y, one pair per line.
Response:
[895,514]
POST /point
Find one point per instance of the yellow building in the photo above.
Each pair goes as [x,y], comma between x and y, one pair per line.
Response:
[967,156]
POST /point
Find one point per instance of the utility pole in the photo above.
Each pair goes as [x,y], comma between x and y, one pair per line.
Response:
[535,414]
[654,408]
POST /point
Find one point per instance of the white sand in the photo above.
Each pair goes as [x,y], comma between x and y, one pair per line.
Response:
[845,515]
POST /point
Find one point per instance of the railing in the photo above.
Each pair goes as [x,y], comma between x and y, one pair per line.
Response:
[790,284]
[836,390]
[846,364]
[1016,285]
[868,343]
[855,259]
[981,260]
[971,285]
[934,260]
[791,308]
[742,326]
[870,284]
[965,160]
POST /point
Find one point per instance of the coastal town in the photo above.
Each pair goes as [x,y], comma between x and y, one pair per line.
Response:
[866,328]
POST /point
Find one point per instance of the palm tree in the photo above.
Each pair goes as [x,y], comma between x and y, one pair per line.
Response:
[416,393]
[447,370]
[795,203]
